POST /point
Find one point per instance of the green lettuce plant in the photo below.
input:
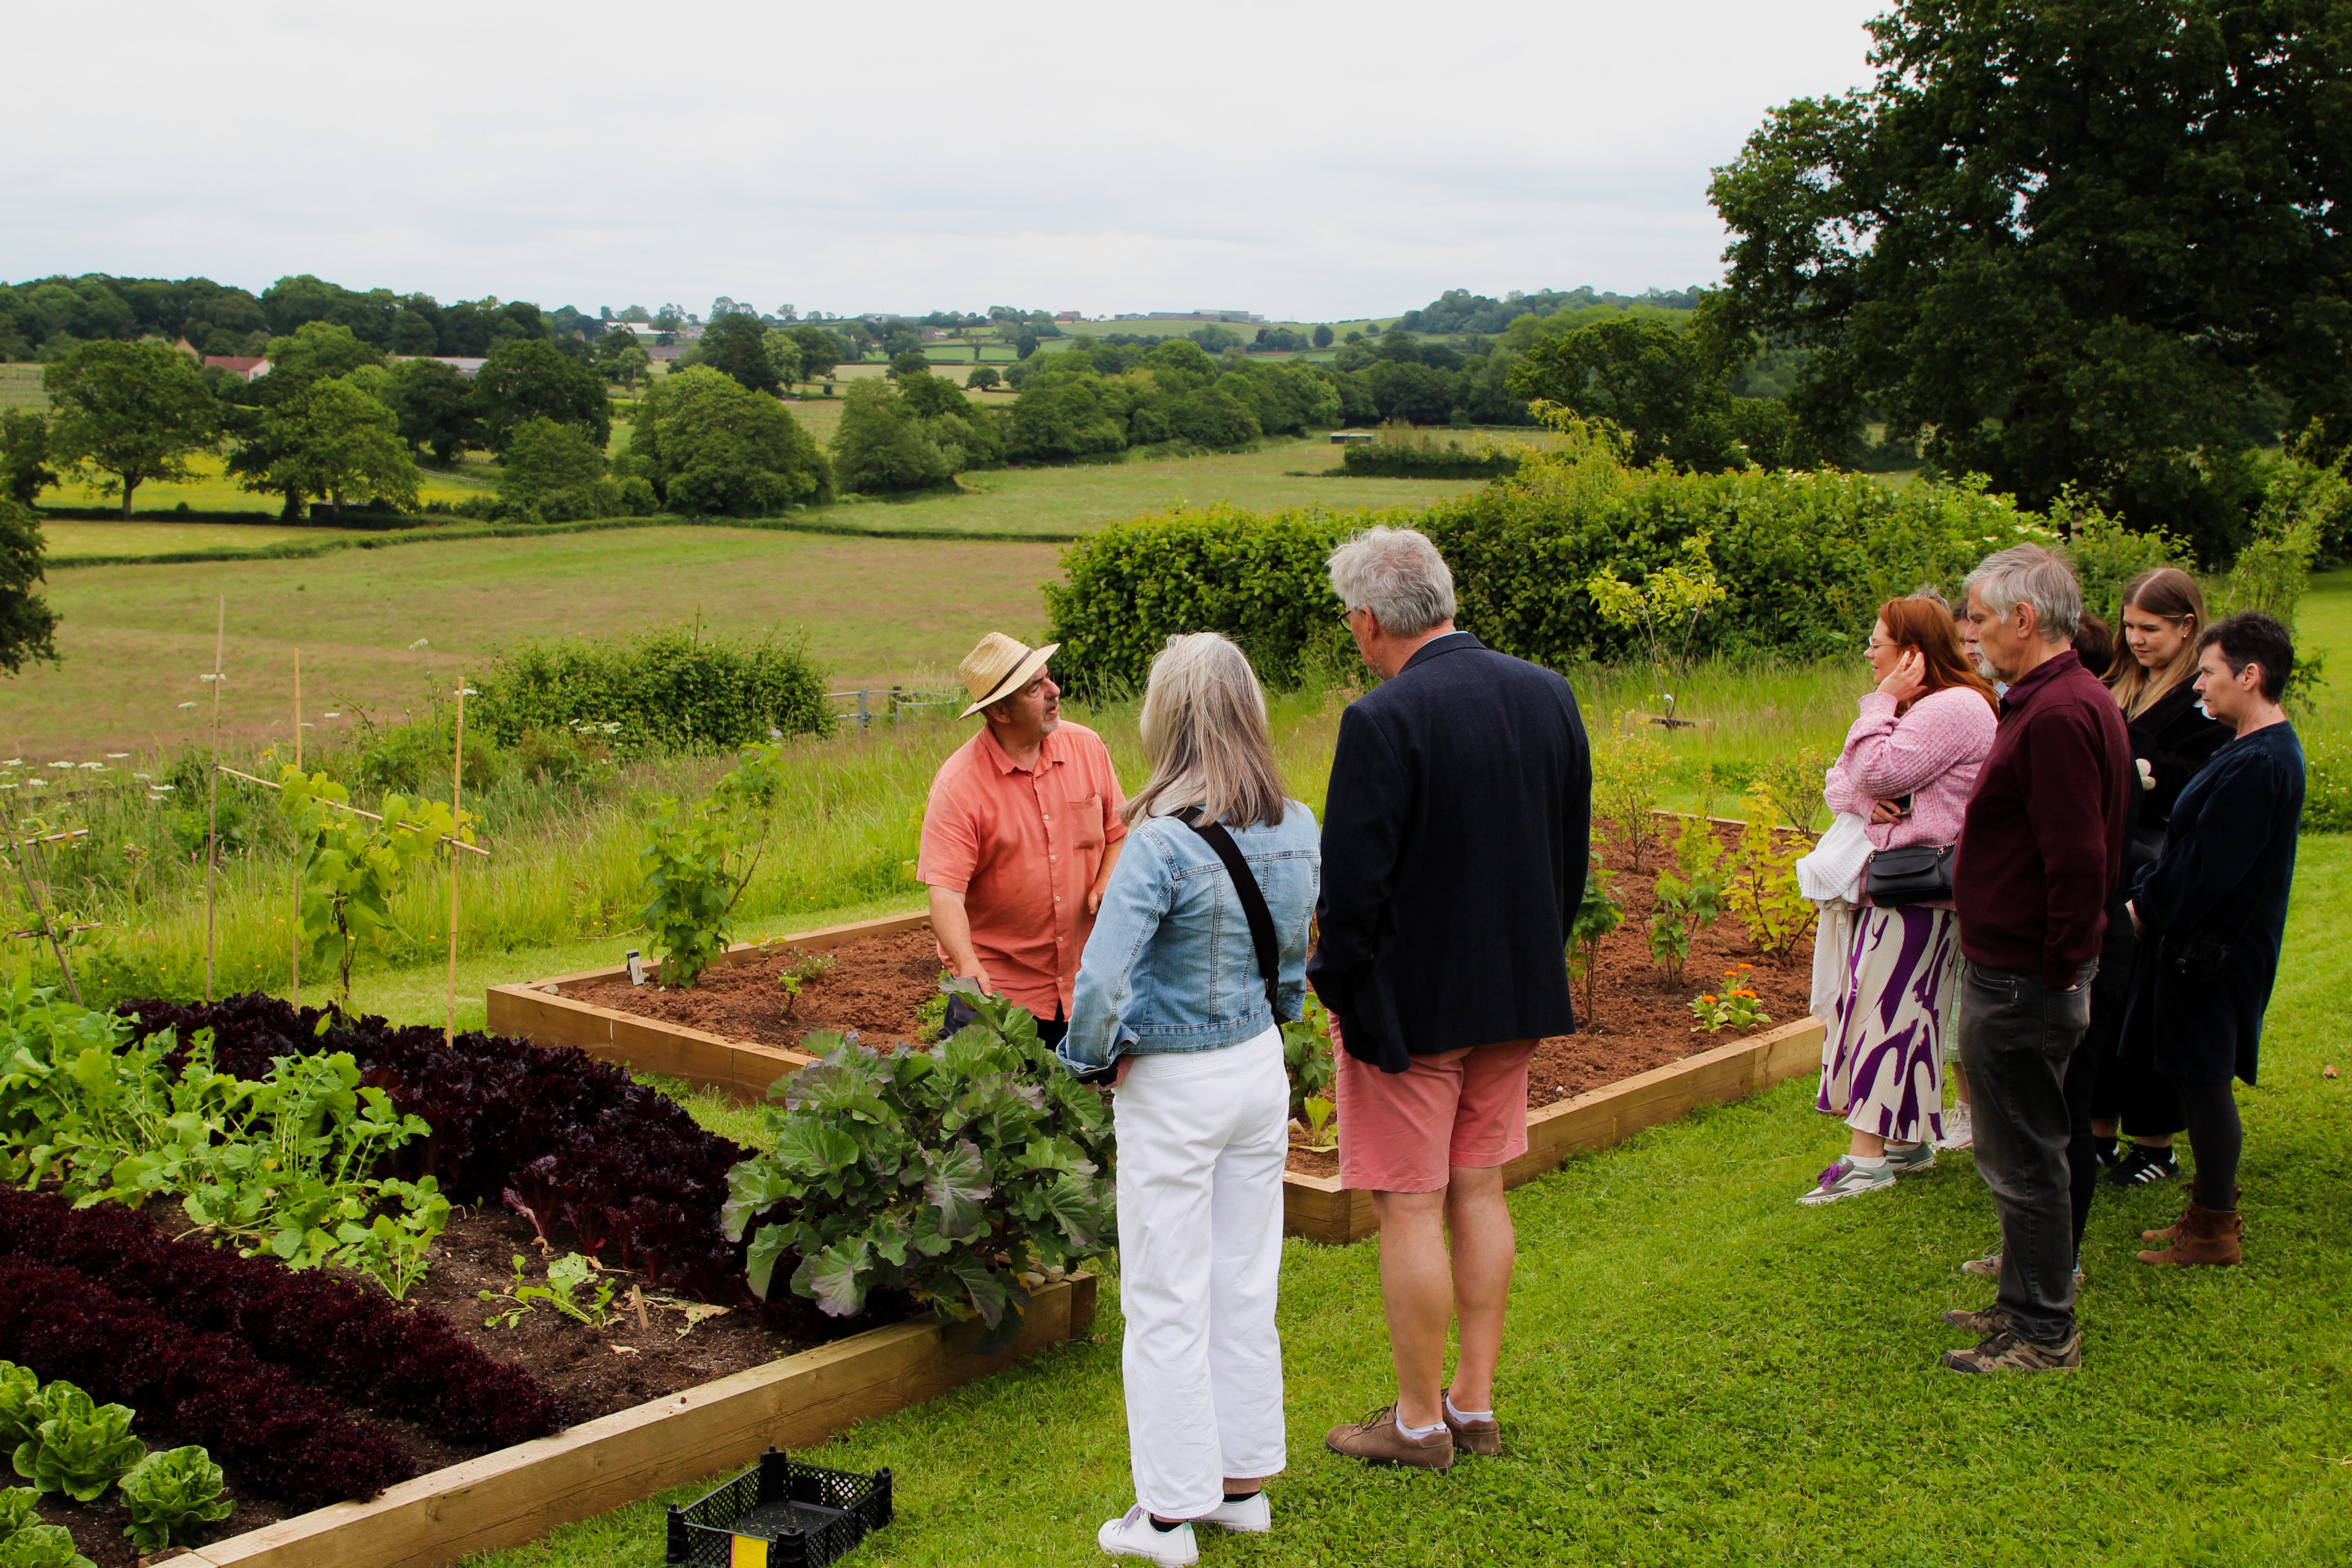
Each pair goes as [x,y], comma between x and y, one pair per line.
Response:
[78,1448]
[20,1404]
[19,1510]
[170,1494]
[948,1174]
[41,1546]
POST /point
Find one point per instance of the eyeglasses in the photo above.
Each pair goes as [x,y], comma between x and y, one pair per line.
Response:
[1875,645]
[1347,612]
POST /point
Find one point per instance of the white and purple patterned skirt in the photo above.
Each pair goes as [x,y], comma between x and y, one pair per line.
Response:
[1883,1056]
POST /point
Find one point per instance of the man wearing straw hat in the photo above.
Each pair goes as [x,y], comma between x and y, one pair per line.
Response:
[1020,835]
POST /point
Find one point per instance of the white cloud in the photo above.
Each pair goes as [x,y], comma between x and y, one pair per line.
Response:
[1318,161]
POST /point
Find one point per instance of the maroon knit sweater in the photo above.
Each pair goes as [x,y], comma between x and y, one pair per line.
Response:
[2044,840]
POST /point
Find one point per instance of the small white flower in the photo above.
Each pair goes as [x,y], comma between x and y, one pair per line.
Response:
[165,789]
[187,705]
[12,763]
[116,756]
[420,642]
[212,677]
[142,775]
[38,784]
[333,715]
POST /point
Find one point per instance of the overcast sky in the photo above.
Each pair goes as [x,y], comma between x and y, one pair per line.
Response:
[1313,162]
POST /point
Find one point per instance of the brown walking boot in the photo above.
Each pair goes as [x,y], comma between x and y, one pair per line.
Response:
[1377,1440]
[1984,1324]
[1484,1438]
[2206,1237]
[2172,1232]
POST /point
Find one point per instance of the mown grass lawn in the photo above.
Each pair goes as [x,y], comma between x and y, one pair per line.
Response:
[1702,1372]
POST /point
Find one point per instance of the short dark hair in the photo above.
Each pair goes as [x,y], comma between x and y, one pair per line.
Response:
[2251,637]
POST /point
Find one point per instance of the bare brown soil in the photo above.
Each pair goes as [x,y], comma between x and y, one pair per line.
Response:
[875,986]
[597,1370]
[1641,1015]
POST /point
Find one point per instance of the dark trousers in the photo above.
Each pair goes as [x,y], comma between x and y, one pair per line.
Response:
[960,1015]
[2017,1037]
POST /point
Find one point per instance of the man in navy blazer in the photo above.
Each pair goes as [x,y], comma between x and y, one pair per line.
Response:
[1455,838]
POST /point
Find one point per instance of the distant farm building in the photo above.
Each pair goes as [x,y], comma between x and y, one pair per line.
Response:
[245,367]
[466,365]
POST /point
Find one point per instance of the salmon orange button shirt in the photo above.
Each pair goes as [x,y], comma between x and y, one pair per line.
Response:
[1023,845]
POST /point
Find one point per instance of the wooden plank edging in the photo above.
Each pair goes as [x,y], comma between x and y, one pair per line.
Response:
[1318,1208]
[539,1011]
[519,1494]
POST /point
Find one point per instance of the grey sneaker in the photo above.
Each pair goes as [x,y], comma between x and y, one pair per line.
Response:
[1847,1180]
[1960,1129]
[2005,1351]
[1904,1158]
[1985,1323]
[1989,1266]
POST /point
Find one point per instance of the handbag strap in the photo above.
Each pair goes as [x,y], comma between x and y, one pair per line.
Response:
[1253,898]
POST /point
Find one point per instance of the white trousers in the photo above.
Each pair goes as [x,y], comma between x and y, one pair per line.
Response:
[1203,1140]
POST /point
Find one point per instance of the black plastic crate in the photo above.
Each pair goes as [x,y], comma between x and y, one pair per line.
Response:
[779,1514]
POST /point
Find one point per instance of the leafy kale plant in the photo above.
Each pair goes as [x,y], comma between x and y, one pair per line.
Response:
[170,1494]
[78,1448]
[950,1174]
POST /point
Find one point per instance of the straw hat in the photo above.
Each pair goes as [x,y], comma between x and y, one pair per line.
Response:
[998,667]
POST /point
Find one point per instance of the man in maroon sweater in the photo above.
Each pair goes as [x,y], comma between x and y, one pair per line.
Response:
[2041,846]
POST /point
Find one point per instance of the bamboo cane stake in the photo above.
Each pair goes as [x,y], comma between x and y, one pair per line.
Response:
[211,797]
[356,811]
[294,921]
[457,791]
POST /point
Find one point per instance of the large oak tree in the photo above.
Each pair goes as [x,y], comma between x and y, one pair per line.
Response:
[2097,242]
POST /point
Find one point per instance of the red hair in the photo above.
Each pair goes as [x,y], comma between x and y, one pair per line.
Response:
[1927,625]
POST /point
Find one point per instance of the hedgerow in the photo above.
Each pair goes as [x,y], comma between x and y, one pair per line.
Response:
[670,691]
[1806,557]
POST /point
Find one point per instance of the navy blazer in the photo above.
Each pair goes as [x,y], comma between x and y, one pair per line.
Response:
[1455,837]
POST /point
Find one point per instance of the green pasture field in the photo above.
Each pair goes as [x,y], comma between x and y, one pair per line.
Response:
[20,387]
[210,488]
[134,639]
[150,535]
[1369,326]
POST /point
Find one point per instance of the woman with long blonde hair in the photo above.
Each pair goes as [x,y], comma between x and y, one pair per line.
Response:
[1198,957]
[2154,680]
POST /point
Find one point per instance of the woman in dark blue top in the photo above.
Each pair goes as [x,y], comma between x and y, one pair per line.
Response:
[2211,914]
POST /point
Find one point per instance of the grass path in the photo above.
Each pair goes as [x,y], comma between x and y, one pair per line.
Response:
[1702,1372]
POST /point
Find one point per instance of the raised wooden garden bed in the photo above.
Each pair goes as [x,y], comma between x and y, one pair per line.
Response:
[520,1493]
[1319,1209]
[546,1013]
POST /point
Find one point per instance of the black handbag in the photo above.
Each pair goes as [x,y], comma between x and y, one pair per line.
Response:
[1915,874]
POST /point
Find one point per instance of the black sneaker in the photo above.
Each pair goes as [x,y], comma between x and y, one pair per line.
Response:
[2145,1166]
[2110,1150]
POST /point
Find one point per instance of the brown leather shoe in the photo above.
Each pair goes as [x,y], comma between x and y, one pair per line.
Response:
[1377,1440]
[2172,1232]
[1484,1438]
[2204,1236]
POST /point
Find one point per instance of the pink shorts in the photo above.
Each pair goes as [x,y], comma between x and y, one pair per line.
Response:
[1402,1132]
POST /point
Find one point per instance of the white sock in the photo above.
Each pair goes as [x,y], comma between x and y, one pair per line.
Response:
[1418,1432]
[1866,1161]
[1461,1415]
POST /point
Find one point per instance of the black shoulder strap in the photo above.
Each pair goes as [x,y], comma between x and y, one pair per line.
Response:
[1253,898]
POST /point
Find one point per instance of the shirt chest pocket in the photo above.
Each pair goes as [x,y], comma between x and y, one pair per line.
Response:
[1086,824]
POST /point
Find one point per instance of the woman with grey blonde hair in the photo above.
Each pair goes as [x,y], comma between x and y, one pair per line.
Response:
[1198,957]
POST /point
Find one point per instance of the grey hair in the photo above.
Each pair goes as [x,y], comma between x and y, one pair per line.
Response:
[1204,732]
[2029,575]
[1396,574]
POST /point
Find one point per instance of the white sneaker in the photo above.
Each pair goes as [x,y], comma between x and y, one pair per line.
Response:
[1252,1513]
[1847,1180]
[1133,1536]
[1960,1129]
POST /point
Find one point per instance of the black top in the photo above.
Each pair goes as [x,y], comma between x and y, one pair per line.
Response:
[2223,880]
[2173,736]
[1455,837]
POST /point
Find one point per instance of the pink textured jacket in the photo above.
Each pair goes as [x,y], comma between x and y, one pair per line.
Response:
[1930,753]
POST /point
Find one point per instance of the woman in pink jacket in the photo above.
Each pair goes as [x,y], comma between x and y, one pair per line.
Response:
[1909,764]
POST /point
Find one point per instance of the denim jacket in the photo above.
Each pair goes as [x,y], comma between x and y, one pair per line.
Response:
[1169,967]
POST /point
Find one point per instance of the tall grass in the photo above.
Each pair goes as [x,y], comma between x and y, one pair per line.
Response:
[565,857]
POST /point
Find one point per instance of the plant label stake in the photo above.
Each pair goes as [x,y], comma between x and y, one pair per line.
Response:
[212,795]
[295,984]
[456,825]
[636,967]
